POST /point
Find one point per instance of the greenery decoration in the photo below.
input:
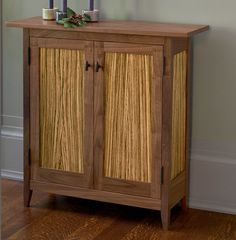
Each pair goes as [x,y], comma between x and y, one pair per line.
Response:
[74,20]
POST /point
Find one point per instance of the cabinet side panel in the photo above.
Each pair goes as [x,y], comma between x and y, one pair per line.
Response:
[61,109]
[128,116]
[178,153]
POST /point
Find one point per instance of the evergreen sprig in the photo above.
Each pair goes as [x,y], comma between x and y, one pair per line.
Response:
[74,20]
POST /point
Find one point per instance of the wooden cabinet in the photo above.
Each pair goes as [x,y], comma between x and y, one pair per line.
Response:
[106,112]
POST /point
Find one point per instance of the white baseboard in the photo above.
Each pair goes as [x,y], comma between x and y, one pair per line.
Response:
[212,170]
[14,175]
[11,151]
[212,178]
[12,132]
[13,121]
[12,127]
[211,206]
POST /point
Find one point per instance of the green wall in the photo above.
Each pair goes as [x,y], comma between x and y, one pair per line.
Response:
[214,75]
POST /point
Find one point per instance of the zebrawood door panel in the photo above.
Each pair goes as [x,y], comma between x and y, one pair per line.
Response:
[178,154]
[128,116]
[61,99]
[62,113]
[128,94]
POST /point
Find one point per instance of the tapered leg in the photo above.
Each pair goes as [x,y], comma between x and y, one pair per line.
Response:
[184,204]
[165,218]
[27,196]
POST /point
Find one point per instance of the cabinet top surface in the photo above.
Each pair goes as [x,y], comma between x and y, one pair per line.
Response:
[117,26]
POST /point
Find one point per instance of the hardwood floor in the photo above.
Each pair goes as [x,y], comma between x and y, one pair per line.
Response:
[53,217]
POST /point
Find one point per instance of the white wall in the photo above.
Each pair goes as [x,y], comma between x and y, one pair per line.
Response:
[213,151]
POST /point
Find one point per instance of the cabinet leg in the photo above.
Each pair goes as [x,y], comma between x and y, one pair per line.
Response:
[165,218]
[27,197]
[184,203]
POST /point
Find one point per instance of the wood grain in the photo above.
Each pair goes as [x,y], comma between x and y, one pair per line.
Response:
[44,33]
[60,176]
[136,188]
[62,109]
[105,196]
[103,81]
[177,189]
[166,132]
[117,27]
[98,143]
[128,116]
[105,135]
[178,154]
[66,218]
[156,120]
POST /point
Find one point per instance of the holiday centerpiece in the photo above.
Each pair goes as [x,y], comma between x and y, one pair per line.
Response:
[73,20]
[69,18]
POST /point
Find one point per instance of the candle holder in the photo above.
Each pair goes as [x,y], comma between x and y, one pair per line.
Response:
[60,15]
[49,14]
[94,14]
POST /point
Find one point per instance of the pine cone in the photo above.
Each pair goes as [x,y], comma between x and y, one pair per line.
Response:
[76,19]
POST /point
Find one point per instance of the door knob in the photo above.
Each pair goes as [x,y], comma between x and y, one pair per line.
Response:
[98,66]
[87,66]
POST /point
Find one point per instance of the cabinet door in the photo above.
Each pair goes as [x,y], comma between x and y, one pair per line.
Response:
[128,118]
[61,111]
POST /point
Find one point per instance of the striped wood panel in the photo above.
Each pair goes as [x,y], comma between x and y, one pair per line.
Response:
[61,109]
[128,116]
[179,114]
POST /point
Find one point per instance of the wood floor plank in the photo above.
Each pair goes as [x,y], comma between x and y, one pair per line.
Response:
[66,216]
[62,226]
[150,224]
[94,226]
[14,215]
[121,226]
[56,217]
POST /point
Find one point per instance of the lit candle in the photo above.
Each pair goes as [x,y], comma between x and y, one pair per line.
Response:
[91,5]
[64,6]
[50,4]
